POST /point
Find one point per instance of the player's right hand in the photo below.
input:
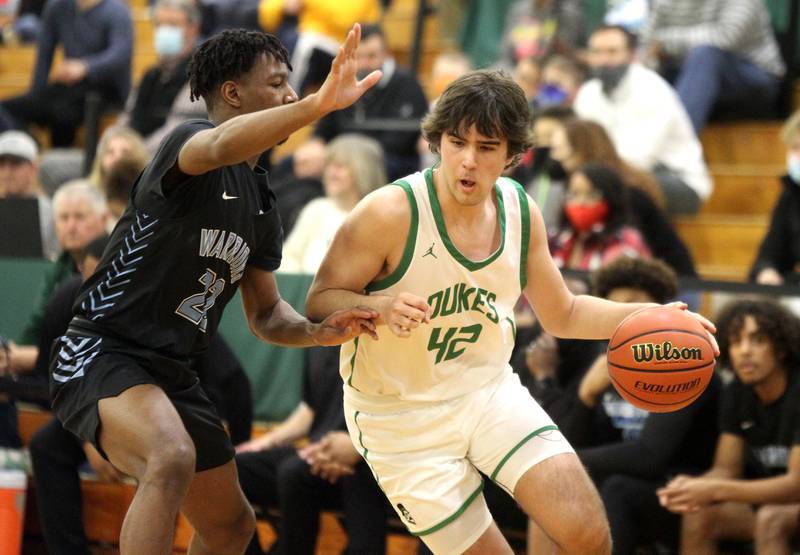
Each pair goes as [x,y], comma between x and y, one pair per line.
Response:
[404,313]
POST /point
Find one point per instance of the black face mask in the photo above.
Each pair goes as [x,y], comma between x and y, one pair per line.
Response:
[541,154]
[610,76]
[554,170]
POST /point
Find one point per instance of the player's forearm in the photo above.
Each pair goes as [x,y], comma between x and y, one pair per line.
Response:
[249,135]
[780,489]
[322,303]
[284,326]
[593,318]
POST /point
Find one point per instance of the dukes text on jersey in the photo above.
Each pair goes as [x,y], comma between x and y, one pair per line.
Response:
[227,246]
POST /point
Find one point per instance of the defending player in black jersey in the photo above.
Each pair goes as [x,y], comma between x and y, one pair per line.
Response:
[202,222]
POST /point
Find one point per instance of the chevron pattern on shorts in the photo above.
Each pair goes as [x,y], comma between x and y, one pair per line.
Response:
[105,293]
[73,357]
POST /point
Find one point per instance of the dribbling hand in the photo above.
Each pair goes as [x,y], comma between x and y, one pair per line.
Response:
[711,329]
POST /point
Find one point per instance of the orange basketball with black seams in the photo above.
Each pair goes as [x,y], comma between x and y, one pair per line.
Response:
[660,359]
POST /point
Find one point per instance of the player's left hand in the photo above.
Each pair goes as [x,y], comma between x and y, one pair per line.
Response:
[685,494]
[344,325]
[711,329]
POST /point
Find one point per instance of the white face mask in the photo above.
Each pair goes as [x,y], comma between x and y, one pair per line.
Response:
[168,40]
[793,167]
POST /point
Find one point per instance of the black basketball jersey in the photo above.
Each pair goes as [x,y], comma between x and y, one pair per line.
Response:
[179,251]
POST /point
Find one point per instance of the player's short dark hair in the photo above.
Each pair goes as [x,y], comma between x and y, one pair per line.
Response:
[652,276]
[777,323]
[631,41]
[227,56]
[490,100]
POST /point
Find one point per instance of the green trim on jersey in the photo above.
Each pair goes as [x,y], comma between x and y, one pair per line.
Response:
[440,225]
[411,243]
[353,364]
[527,438]
[525,213]
[513,326]
[360,435]
[453,516]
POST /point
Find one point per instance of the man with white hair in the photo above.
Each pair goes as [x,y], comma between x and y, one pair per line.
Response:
[18,167]
[80,217]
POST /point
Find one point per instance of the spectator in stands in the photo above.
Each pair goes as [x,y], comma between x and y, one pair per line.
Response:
[779,253]
[23,26]
[751,490]
[578,142]
[18,166]
[645,119]
[80,216]
[321,27]
[627,451]
[398,97]
[595,226]
[543,177]
[273,473]
[97,40]
[720,52]
[562,77]
[116,143]
[527,73]
[57,455]
[353,169]
[537,28]
[161,100]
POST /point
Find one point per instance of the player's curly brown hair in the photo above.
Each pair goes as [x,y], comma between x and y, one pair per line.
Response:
[490,100]
[777,323]
[652,276]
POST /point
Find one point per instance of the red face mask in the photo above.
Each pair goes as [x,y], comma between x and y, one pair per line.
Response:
[584,216]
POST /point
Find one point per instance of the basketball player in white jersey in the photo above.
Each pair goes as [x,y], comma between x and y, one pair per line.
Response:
[443,256]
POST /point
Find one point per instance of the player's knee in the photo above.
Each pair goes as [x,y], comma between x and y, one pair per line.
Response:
[592,537]
[230,533]
[172,465]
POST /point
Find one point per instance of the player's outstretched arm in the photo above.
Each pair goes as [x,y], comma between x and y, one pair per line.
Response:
[246,136]
[367,247]
[274,320]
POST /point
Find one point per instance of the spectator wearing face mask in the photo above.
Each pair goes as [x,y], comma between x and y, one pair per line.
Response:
[595,227]
[161,100]
[562,77]
[645,119]
[779,253]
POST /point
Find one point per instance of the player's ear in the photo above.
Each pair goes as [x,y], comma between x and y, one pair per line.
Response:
[229,92]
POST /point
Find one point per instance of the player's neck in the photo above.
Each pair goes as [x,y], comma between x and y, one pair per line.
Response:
[455,211]
[772,387]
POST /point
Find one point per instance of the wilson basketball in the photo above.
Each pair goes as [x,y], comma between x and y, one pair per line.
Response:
[660,359]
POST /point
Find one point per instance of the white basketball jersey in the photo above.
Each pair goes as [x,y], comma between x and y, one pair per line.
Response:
[471,334]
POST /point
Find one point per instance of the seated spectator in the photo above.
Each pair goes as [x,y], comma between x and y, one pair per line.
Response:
[562,77]
[80,216]
[543,177]
[274,473]
[322,26]
[751,490]
[18,166]
[96,37]
[645,119]
[578,142]
[116,143]
[595,226]
[779,252]
[537,28]
[57,455]
[161,100]
[720,53]
[398,96]
[23,26]
[527,73]
[353,169]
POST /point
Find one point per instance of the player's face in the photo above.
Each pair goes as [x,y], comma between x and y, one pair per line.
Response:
[471,164]
[77,223]
[265,86]
[752,354]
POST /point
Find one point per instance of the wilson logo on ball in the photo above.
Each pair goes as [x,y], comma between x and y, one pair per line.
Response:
[667,388]
[647,352]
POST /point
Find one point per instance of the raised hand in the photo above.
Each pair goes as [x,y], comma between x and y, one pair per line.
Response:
[341,88]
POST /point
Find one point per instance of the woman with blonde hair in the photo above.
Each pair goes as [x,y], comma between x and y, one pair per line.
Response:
[578,142]
[118,141]
[354,167]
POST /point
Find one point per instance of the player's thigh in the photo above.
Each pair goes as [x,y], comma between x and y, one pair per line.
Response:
[418,458]
[559,495]
[138,424]
[215,501]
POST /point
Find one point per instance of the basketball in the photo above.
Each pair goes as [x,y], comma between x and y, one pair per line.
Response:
[660,359]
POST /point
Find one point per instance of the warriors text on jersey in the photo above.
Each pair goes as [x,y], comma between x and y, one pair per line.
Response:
[471,334]
[176,257]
